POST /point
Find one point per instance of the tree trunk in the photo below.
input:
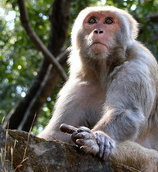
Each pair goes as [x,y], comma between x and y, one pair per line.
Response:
[25,113]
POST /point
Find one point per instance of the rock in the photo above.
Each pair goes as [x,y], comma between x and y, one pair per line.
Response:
[28,153]
[5,165]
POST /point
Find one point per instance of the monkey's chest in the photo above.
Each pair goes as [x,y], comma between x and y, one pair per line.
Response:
[91,100]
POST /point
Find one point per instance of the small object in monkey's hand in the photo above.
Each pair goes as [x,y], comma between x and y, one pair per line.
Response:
[68,128]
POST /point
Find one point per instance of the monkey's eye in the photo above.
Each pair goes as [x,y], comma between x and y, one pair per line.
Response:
[109,20]
[92,20]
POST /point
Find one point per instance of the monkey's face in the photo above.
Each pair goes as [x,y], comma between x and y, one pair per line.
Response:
[98,33]
[100,29]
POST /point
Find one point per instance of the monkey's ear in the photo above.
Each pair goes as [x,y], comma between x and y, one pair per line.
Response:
[134,27]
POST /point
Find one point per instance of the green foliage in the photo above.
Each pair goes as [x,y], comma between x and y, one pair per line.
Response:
[20,60]
[148,30]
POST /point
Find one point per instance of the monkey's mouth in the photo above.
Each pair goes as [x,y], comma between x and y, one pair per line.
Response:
[98,45]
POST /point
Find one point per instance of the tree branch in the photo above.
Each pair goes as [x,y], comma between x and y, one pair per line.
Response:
[153,18]
[47,54]
[15,116]
[58,34]
[46,79]
[19,117]
[42,94]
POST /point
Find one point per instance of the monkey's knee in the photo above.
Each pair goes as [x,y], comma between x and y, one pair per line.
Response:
[136,156]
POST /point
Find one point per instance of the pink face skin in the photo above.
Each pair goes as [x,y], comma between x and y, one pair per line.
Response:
[100,29]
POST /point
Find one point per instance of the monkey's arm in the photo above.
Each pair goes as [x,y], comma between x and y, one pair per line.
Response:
[130,98]
[129,101]
[123,115]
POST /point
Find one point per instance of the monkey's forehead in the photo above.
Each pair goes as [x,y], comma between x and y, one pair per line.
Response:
[110,9]
[122,15]
[101,13]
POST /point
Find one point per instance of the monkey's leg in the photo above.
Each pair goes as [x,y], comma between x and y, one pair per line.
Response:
[136,156]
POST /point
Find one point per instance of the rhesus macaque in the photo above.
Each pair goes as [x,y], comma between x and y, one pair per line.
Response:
[110,101]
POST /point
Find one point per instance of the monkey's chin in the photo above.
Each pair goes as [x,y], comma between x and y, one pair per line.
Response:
[97,54]
[99,51]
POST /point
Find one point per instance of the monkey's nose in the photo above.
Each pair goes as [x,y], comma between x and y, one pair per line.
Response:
[98,31]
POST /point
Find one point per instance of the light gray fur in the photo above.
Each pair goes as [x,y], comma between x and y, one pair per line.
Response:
[115,93]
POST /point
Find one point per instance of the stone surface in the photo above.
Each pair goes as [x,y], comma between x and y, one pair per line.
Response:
[28,153]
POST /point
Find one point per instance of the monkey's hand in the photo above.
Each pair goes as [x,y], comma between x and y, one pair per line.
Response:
[97,143]
[106,144]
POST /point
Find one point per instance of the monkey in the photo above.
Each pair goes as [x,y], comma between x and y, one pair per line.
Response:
[109,105]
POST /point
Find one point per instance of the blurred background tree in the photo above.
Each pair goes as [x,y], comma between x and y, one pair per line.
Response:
[29,81]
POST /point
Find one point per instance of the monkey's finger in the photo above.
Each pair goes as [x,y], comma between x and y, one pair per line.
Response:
[107,152]
[83,135]
[100,142]
[85,143]
[83,129]
[88,146]
[68,128]
[109,145]
[73,137]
